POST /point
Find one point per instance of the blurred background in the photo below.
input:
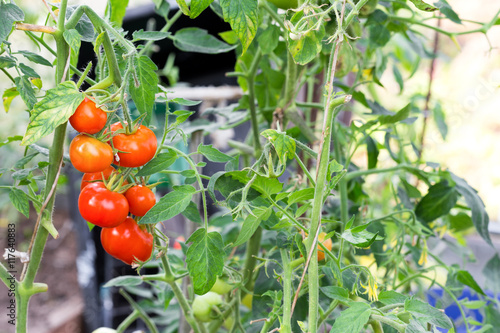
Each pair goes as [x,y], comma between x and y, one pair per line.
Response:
[466,81]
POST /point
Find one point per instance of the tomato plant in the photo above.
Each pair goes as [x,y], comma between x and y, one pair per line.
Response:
[127,242]
[101,206]
[140,199]
[135,149]
[90,155]
[326,153]
[88,118]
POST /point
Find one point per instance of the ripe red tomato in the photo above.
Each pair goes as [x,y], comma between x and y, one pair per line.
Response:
[89,178]
[127,242]
[87,154]
[140,199]
[88,118]
[140,147]
[102,207]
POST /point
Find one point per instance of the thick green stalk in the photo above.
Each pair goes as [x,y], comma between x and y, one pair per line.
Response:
[286,326]
[253,246]
[250,77]
[376,326]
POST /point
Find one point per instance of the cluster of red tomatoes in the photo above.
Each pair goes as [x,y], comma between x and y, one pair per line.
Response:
[106,197]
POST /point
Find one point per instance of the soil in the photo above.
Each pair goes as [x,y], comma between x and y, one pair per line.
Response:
[59,309]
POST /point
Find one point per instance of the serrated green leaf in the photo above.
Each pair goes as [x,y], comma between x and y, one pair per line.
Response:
[267,186]
[117,10]
[144,95]
[391,297]
[7,62]
[362,239]
[150,35]
[22,162]
[282,143]
[338,293]
[479,215]
[399,116]
[28,71]
[53,110]
[445,8]
[185,102]
[423,6]
[8,96]
[353,319]
[26,91]
[73,38]
[426,312]
[305,48]
[198,6]
[439,200]
[269,39]
[170,205]
[124,281]
[20,200]
[36,58]
[212,154]
[205,259]
[251,224]
[159,163]
[242,15]
[198,40]
[9,13]
[301,195]
[192,213]
[84,26]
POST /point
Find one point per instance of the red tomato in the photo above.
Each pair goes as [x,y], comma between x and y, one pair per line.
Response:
[102,207]
[140,147]
[127,242]
[88,118]
[140,199]
[87,154]
[89,178]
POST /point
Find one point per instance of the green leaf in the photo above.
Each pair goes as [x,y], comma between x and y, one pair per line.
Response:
[266,186]
[391,297]
[251,224]
[170,205]
[7,62]
[19,199]
[301,195]
[428,313]
[479,215]
[423,6]
[492,316]
[84,26]
[198,40]
[9,13]
[306,47]
[22,162]
[198,6]
[352,320]
[439,200]
[144,94]
[26,91]
[491,273]
[467,279]
[362,239]
[474,305]
[159,163]
[8,96]
[117,9]
[185,102]
[282,143]
[338,293]
[212,154]
[124,281]
[398,77]
[373,151]
[445,8]
[399,116]
[150,35]
[439,118]
[28,71]
[192,213]
[416,327]
[460,222]
[376,24]
[243,16]
[11,139]
[183,6]
[53,110]
[269,39]
[205,259]
[73,38]
[36,58]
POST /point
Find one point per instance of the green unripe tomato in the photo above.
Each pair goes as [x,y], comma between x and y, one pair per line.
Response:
[202,305]
[285,4]
[221,287]
[247,301]
[368,8]
[229,322]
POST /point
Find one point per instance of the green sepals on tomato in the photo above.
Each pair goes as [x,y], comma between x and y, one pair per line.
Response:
[89,178]
[202,305]
[285,4]
[134,149]
[101,206]
[140,199]
[88,155]
[88,118]
[128,242]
